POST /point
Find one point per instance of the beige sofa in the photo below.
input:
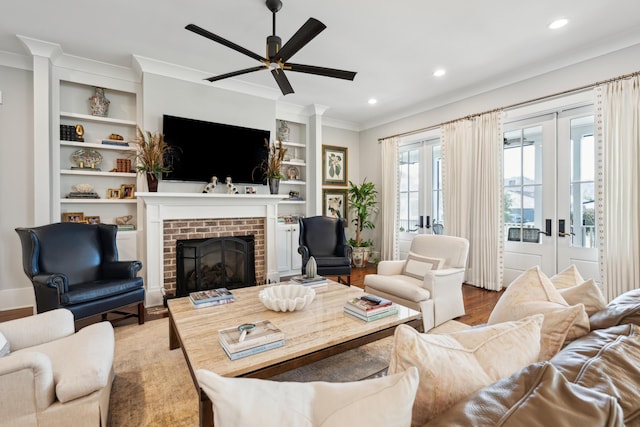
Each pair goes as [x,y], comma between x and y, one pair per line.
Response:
[53,376]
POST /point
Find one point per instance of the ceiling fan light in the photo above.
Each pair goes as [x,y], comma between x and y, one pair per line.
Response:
[439,72]
[558,23]
[372,101]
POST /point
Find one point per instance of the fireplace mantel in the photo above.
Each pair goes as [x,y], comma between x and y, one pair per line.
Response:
[159,207]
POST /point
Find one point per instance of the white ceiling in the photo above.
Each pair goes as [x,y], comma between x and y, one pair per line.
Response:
[394,46]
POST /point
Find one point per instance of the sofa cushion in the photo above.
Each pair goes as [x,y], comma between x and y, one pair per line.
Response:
[531,293]
[607,361]
[586,293]
[5,347]
[535,395]
[417,266]
[623,309]
[567,278]
[402,286]
[384,401]
[81,362]
[454,365]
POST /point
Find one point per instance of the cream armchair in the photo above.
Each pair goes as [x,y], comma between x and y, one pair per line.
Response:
[53,376]
[429,280]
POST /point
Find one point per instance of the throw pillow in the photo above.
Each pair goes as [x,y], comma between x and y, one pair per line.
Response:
[567,278]
[5,347]
[587,293]
[418,265]
[623,309]
[454,365]
[533,293]
[384,401]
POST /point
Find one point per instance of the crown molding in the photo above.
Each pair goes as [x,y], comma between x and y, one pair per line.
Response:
[14,60]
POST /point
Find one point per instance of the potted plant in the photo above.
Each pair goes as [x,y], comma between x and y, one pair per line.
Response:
[152,156]
[363,204]
[272,165]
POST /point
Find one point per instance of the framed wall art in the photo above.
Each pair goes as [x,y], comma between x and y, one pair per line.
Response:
[334,203]
[334,165]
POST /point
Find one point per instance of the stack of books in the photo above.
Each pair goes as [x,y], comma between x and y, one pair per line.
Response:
[258,337]
[309,281]
[80,195]
[370,308]
[211,297]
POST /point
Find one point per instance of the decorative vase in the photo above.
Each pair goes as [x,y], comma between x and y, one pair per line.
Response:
[311,269]
[152,182]
[283,131]
[99,104]
[274,185]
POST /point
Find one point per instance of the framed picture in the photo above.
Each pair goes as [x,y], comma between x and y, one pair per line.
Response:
[334,165]
[113,193]
[250,189]
[334,203]
[127,190]
[92,219]
[73,217]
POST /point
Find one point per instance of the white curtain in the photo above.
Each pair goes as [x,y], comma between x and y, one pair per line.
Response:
[618,185]
[389,202]
[472,192]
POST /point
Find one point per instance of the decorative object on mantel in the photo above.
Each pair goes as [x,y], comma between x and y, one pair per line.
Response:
[211,186]
[283,131]
[231,188]
[272,166]
[152,156]
[99,104]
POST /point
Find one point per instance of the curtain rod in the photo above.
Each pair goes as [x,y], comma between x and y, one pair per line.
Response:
[517,104]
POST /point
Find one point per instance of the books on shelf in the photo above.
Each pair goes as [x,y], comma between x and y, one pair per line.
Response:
[370,318]
[314,281]
[369,305]
[115,142]
[126,227]
[213,303]
[261,336]
[79,195]
[208,295]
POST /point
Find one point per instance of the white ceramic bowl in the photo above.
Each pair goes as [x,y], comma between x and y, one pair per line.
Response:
[286,297]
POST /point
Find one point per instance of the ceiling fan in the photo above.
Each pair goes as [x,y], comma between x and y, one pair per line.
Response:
[278,54]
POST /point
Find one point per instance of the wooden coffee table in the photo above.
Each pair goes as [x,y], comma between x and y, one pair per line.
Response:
[321,330]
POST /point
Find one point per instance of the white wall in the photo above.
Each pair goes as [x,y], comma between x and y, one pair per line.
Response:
[16,182]
[605,67]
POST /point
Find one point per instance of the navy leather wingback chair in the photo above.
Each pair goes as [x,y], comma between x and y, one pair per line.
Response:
[75,266]
[323,238]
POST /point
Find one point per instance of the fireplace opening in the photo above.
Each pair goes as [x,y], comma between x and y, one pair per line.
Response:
[218,262]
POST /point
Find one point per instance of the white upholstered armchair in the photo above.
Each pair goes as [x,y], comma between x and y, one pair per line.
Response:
[429,280]
[53,376]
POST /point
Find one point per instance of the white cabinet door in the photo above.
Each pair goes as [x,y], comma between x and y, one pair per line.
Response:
[283,242]
[296,258]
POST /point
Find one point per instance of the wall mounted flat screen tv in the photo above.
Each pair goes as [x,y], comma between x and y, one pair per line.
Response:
[204,149]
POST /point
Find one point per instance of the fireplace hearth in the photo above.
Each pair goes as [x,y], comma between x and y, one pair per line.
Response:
[216,262]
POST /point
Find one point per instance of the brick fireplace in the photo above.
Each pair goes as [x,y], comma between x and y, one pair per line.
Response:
[169,217]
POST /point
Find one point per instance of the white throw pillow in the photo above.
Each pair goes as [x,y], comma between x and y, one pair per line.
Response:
[418,265]
[533,293]
[587,293]
[5,347]
[452,366]
[567,278]
[383,402]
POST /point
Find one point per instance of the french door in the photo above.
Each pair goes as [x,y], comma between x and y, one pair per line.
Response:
[548,165]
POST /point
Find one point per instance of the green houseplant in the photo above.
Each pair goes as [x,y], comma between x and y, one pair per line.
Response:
[152,156]
[363,205]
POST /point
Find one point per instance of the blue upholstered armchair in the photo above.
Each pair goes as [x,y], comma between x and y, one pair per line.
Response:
[75,266]
[323,238]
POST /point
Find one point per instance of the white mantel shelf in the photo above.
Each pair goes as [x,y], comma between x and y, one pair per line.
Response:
[162,206]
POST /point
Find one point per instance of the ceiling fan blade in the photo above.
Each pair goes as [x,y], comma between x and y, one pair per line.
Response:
[222,41]
[282,81]
[304,35]
[237,73]
[321,71]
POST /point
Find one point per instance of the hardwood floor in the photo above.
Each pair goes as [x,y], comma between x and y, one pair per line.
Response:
[478,302]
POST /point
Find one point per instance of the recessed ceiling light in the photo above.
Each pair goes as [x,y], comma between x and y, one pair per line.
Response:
[372,101]
[440,72]
[559,23]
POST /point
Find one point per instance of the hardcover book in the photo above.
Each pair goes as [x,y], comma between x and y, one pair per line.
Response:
[301,280]
[372,312]
[253,350]
[263,333]
[368,303]
[213,303]
[207,295]
[373,317]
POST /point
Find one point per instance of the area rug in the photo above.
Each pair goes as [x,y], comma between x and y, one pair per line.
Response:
[153,386]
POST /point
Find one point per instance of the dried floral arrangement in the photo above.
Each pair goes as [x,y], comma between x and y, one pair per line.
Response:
[271,167]
[153,153]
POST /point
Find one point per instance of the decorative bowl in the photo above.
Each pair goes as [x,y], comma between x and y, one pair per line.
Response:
[286,297]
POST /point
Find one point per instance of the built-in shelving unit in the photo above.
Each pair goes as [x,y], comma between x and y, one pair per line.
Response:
[294,168]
